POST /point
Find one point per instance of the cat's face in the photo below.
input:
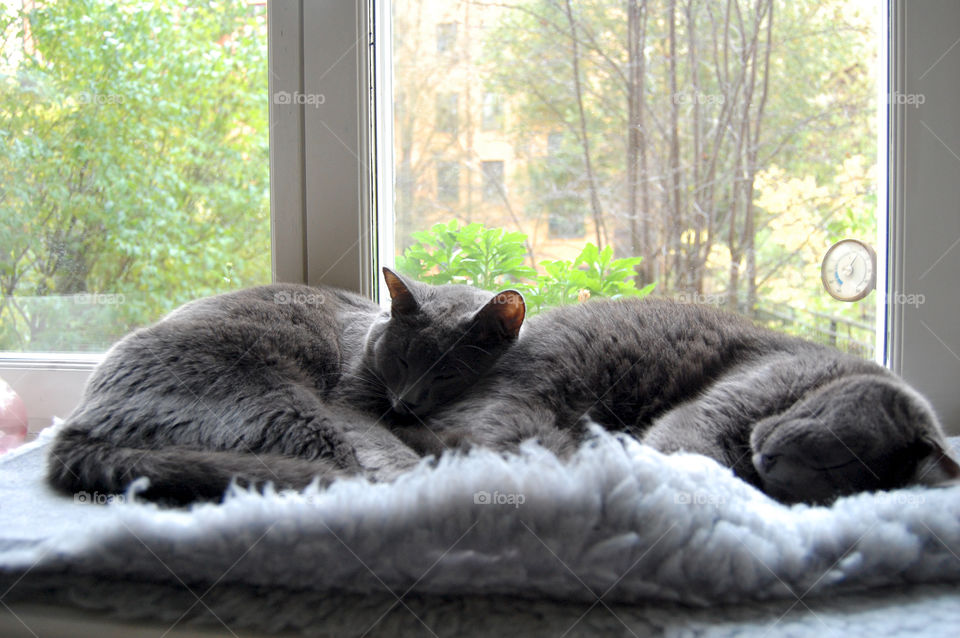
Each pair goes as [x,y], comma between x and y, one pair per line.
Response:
[858,433]
[438,341]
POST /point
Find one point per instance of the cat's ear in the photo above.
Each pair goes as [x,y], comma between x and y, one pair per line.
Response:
[402,301]
[505,311]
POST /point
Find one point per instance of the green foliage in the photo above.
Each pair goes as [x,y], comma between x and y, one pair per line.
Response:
[594,271]
[134,165]
[492,258]
[472,254]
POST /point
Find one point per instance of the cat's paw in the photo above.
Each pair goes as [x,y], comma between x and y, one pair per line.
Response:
[807,467]
[859,433]
[321,439]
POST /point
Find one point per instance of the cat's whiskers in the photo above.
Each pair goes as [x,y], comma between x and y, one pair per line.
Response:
[483,350]
[462,362]
[370,381]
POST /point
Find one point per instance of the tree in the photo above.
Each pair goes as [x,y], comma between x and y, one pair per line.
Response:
[134,171]
[675,108]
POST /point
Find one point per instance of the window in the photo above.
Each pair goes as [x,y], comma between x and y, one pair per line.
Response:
[446,120]
[644,172]
[446,37]
[316,176]
[601,154]
[493,190]
[492,117]
[448,181]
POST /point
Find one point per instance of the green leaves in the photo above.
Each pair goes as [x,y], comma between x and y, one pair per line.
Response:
[134,162]
[592,274]
[493,258]
[472,254]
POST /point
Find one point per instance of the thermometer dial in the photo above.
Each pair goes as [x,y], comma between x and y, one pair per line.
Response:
[849,270]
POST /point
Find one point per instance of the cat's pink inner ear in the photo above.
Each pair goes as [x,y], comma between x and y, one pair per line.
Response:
[510,310]
[402,301]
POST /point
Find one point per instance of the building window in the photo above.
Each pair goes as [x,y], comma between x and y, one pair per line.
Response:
[493,189]
[492,119]
[447,120]
[446,37]
[448,181]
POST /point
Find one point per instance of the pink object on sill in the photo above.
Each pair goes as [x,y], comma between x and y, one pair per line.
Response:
[13,418]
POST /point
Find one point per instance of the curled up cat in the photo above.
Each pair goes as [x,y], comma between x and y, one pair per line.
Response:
[280,383]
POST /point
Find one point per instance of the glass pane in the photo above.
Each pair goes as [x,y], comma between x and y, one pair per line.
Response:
[135,167]
[717,148]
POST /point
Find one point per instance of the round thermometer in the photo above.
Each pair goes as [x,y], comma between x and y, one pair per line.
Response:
[849,270]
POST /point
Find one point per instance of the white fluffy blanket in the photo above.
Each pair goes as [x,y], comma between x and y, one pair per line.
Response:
[620,523]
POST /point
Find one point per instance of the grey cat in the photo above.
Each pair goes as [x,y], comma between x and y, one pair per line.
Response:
[801,421]
[279,383]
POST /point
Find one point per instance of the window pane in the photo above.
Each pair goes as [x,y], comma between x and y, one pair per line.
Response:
[492,112]
[135,165]
[651,130]
[446,37]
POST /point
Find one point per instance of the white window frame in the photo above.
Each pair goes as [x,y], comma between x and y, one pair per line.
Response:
[923,178]
[328,163]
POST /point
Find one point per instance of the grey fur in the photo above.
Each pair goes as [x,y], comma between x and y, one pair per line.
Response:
[279,383]
[802,421]
[304,386]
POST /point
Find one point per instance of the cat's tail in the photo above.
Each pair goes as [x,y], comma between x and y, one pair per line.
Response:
[80,464]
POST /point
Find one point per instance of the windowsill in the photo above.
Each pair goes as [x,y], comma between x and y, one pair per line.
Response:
[50,384]
[49,360]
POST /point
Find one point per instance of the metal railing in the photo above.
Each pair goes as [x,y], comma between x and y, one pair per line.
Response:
[847,335]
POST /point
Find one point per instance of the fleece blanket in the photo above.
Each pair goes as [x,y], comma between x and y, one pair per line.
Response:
[618,534]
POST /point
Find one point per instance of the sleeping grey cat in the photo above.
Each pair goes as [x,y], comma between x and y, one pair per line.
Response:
[801,421]
[278,383]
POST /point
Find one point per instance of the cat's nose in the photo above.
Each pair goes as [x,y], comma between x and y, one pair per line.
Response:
[402,406]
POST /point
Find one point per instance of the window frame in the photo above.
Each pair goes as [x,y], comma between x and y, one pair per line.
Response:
[331,175]
[324,174]
[922,341]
